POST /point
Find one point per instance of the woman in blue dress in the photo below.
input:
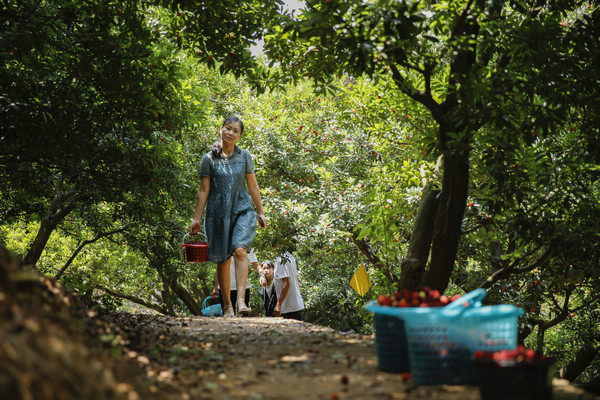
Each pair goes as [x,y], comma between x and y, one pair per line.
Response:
[227,185]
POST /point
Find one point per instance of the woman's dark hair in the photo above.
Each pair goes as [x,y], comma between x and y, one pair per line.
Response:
[217,148]
[269,263]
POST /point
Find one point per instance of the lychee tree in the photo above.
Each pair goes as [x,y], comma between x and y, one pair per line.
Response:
[85,110]
[512,90]
[95,102]
[471,65]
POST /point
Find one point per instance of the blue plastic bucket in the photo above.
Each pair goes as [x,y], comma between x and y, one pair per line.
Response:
[211,311]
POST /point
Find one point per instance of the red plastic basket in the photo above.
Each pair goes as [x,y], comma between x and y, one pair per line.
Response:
[194,251]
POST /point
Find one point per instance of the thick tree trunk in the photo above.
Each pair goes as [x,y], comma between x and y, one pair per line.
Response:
[584,357]
[413,266]
[168,300]
[62,204]
[579,363]
[188,299]
[448,224]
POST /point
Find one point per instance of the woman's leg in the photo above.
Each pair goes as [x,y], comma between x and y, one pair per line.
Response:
[241,278]
[223,273]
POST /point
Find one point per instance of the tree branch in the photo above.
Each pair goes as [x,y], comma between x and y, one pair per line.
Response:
[365,249]
[418,96]
[510,269]
[82,245]
[132,298]
[561,316]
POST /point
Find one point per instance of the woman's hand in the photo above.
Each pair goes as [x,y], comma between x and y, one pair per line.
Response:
[195,227]
[262,220]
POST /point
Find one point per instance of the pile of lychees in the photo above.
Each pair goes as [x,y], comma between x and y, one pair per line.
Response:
[520,354]
[422,297]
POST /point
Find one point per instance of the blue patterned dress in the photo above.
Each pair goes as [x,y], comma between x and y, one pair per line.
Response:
[230,219]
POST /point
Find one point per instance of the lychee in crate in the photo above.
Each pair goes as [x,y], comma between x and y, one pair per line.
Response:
[194,251]
[520,374]
[442,341]
[390,335]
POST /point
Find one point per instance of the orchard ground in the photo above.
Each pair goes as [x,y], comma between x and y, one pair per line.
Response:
[54,347]
[271,358]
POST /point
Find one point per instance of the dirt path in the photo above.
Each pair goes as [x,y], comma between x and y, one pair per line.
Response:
[271,358]
[52,346]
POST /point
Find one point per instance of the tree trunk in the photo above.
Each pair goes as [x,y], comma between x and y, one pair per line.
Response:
[167,299]
[579,363]
[584,357]
[455,178]
[186,297]
[448,223]
[413,266]
[62,204]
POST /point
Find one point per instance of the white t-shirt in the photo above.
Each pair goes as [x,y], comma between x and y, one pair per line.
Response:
[251,258]
[293,301]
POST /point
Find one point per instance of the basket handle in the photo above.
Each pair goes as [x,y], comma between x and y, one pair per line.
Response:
[204,302]
[187,233]
[469,300]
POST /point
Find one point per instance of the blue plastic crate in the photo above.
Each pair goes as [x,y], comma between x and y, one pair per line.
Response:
[390,341]
[442,341]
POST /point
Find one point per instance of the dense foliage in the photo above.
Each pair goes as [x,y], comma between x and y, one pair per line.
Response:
[453,144]
[511,90]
